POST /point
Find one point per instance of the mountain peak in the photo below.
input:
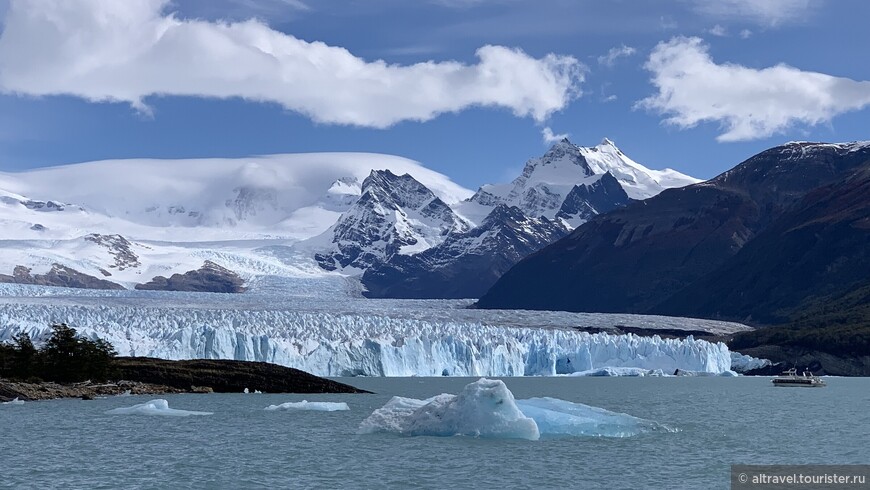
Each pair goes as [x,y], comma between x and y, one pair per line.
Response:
[607,142]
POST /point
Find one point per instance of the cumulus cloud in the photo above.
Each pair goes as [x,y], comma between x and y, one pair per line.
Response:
[614,54]
[745,34]
[106,50]
[550,137]
[769,13]
[748,103]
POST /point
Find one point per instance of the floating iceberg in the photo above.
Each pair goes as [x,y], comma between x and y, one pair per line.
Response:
[14,401]
[621,371]
[360,344]
[311,406]
[154,407]
[487,408]
[563,418]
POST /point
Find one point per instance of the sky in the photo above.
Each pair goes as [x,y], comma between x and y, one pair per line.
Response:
[470,88]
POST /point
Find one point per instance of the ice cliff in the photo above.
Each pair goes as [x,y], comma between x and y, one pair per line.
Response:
[329,344]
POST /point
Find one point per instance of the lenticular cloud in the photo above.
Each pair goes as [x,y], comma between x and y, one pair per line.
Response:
[103,50]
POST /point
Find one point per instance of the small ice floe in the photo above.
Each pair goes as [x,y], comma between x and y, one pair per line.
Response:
[312,406]
[487,408]
[126,393]
[154,407]
[703,374]
[14,401]
[620,371]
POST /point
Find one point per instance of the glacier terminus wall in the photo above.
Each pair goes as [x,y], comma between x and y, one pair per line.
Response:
[357,344]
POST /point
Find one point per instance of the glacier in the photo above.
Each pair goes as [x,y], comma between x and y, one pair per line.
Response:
[330,344]
[487,408]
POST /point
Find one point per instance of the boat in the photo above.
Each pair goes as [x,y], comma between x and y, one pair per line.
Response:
[805,379]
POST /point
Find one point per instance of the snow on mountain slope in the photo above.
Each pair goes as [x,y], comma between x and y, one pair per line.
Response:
[547,181]
[395,214]
[247,194]
[241,214]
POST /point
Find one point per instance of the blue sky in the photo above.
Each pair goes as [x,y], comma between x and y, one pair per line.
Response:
[693,85]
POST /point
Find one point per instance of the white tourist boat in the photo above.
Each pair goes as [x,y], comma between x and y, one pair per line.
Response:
[792,378]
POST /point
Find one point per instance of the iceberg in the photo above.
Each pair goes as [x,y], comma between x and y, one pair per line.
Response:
[563,418]
[310,406]
[364,343]
[14,401]
[155,407]
[487,408]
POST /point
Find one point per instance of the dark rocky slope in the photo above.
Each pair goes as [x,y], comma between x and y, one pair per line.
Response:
[467,263]
[59,275]
[820,248]
[225,376]
[210,278]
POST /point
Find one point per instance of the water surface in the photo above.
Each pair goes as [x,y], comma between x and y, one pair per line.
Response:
[73,443]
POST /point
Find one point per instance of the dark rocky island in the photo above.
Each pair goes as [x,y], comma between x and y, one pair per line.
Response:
[149,376]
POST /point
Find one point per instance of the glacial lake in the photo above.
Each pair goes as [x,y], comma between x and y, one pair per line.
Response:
[718,422]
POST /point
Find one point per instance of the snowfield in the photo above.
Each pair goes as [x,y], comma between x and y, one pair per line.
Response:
[334,334]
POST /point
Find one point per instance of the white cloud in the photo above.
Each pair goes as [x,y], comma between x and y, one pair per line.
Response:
[126,51]
[769,13]
[550,137]
[610,58]
[748,103]
[271,6]
[668,23]
[745,34]
[718,30]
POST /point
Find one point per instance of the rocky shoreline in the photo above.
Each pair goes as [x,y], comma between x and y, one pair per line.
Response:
[149,376]
[47,390]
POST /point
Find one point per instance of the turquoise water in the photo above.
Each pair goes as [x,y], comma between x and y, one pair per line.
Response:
[721,421]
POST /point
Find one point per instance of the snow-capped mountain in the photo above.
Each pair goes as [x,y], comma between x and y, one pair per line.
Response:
[564,188]
[394,215]
[547,182]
